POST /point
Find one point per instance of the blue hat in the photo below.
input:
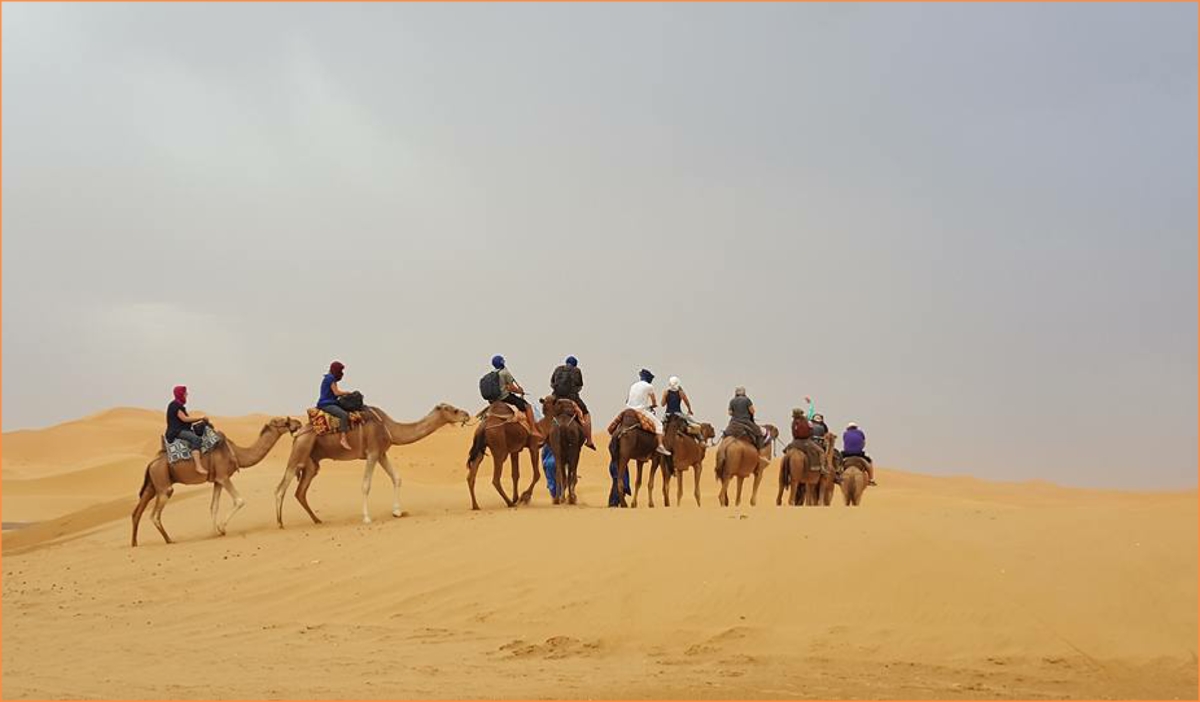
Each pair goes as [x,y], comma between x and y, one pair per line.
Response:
[497,362]
[572,361]
[646,375]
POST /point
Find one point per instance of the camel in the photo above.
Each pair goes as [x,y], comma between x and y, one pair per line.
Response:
[737,457]
[370,440]
[221,463]
[565,435]
[800,475]
[631,442]
[686,452]
[504,434]
[854,480]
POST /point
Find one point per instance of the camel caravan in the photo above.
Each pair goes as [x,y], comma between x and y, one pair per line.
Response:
[341,427]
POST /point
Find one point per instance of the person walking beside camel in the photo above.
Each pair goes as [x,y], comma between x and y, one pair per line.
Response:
[328,401]
[180,425]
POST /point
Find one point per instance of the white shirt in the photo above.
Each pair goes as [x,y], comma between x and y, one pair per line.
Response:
[639,395]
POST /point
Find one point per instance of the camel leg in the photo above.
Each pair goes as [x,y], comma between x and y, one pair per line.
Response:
[679,487]
[527,496]
[758,475]
[697,469]
[472,469]
[515,459]
[368,473]
[723,496]
[160,501]
[395,477]
[782,481]
[637,486]
[143,501]
[622,476]
[741,479]
[666,489]
[216,505]
[238,503]
[310,472]
[280,490]
[498,462]
[650,483]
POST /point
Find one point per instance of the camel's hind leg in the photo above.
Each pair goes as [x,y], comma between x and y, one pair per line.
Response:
[238,503]
[741,479]
[368,473]
[758,476]
[697,469]
[679,487]
[395,478]
[160,501]
[472,470]
[498,463]
[527,496]
[143,501]
[637,485]
[666,483]
[515,460]
[306,479]
[650,483]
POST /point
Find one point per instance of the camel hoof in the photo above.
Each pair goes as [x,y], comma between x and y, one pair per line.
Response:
[474,508]
[397,513]
[366,520]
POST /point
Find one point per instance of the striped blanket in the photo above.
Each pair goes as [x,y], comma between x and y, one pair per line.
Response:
[324,423]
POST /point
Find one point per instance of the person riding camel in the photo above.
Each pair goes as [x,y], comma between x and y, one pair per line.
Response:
[675,399]
[819,428]
[181,425]
[641,398]
[801,429]
[741,418]
[566,381]
[328,401]
[512,393]
[854,443]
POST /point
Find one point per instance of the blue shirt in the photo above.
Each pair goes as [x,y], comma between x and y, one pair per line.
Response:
[327,397]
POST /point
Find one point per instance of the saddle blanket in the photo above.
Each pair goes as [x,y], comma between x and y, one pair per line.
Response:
[179,450]
[324,423]
[645,422]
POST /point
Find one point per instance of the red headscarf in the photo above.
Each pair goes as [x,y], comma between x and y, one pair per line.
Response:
[181,394]
[336,368]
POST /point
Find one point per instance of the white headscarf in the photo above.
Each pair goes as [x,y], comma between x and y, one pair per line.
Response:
[673,383]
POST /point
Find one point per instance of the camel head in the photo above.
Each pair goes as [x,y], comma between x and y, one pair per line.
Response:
[452,414]
[707,432]
[283,424]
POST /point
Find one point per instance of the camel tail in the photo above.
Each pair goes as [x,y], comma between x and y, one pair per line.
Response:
[145,482]
[478,446]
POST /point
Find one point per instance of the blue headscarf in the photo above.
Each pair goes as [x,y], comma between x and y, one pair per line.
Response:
[572,361]
[497,362]
[646,375]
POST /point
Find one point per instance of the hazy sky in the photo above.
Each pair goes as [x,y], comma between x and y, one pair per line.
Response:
[973,229]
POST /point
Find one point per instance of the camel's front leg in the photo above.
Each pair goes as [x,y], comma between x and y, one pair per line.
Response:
[754,489]
[143,502]
[310,472]
[741,479]
[215,506]
[527,496]
[723,496]
[372,459]
[160,501]
[696,469]
[472,470]
[387,468]
[280,490]
[650,483]
[238,503]
[679,485]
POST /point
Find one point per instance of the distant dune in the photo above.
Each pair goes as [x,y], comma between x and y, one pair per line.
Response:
[935,588]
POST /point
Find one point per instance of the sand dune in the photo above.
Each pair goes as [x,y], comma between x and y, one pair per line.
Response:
[936,587]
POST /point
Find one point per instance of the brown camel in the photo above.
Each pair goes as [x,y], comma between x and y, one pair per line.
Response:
[504,434]
[630,442]
[370,440]
[221,463]
[800,475]
[565,435]
[737,457]
[687,451]
[854,480]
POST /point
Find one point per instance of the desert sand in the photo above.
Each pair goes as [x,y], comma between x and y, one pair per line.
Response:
[934,588]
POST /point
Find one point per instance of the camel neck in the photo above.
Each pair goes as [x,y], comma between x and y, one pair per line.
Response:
[409,432]
[257,451]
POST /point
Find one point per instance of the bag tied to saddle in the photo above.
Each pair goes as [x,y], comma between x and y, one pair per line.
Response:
[324,423]
[351,402]
[179,450]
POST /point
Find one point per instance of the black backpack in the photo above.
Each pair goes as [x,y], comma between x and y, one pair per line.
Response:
[564,381]
[352,402]
[489,386]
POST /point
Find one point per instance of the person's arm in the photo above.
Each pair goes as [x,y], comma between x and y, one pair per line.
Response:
[653,401]
[752,410]
[812,410]
[687,403]
[338,392]
[190,419]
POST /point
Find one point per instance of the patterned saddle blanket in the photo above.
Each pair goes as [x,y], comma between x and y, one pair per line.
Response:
[324,423]
[643,421]
[179,450]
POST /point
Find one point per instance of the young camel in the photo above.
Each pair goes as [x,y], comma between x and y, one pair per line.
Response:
[370,440]
[505,436]
[221,463]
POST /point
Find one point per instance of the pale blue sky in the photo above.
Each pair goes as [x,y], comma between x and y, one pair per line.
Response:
[970,228]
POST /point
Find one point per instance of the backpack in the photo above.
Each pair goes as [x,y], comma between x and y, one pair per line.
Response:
[489,386]
[563,382]
[352,402]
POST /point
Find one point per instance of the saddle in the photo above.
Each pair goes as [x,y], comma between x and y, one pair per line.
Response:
[643,422]
[503,412]
[179,450]
[324,423]
[814,456]
[751,433]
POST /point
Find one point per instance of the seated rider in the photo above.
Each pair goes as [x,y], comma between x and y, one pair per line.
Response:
[801,429]
[675,399]
[328,401]
[181,425]
[854,443]
[566,381]
[511,393]
[741,414]
[641,398]
[819,429]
